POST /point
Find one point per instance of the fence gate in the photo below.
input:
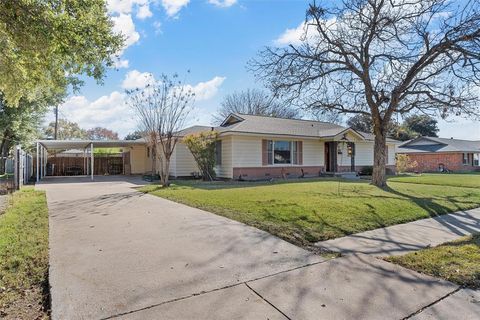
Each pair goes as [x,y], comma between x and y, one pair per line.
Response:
[23,167]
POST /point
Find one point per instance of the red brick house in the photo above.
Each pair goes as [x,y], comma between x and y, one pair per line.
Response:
[440,154]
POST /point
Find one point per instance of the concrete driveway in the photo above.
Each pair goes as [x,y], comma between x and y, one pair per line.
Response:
[114,250]
[117,253]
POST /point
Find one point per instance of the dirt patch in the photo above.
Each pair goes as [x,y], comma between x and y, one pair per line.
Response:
[33,304]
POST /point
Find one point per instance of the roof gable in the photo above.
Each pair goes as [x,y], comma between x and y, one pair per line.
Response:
[231,119]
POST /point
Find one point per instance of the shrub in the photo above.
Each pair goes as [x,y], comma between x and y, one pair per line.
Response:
[366,171]
[202,147]
[404,163]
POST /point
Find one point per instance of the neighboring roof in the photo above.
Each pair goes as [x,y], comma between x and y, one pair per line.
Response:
[193,129]
[434,144]
[243,123]
[186,131]
[83,144]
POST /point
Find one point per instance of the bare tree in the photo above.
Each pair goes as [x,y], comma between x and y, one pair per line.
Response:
[379,58]
[162,108]
[255,102]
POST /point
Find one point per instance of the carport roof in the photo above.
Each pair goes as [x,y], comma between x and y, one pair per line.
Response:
[82,144]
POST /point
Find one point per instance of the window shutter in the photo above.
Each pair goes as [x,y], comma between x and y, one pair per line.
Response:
[300,152]
[264,152]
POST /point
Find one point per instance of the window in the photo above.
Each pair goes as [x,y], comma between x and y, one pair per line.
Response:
[282,152]
[476,159]
[218,152]
[465,158]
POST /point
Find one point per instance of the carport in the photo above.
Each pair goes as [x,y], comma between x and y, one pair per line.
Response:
[44,147]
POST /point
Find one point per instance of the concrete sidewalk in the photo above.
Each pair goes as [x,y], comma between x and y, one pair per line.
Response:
[407,237]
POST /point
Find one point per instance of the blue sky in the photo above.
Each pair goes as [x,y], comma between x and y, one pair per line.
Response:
[213,39]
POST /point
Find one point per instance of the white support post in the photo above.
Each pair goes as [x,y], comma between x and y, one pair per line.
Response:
[44,162]
[84,163]
[41,162]
[91,157]
[37,159]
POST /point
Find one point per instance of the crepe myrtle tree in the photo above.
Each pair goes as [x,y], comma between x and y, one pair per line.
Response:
[380,58]
[161,109]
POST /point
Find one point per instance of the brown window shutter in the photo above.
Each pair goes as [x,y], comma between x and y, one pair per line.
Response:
[300,152]
[264,152]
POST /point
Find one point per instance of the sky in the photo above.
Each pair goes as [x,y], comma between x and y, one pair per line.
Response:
[207,42]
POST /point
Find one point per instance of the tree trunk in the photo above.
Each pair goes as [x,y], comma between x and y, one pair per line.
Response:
[165,172]
[379,157]
[154,161]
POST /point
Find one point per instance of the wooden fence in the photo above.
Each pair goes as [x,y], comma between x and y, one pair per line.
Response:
[71,166]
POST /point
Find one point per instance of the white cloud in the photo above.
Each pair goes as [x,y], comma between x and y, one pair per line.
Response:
[120,63]
[305,30]
[172,7]
[109,111]
[222,3]
[144,12]
[292,36]
[126,6]
[135,79]
[208,89]
[124,24]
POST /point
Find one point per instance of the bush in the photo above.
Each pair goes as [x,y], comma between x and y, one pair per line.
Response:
[404,163]
[202,147]
[366,171]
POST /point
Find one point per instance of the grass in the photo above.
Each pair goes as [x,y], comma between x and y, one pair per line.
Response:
[306,211]
[457,261]
[24,256]
[470,180]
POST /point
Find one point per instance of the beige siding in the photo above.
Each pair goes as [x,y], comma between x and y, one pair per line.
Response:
[364,153]
[391,154]
[138,159]
[313,153]
[184,162]
[247,151]
[225,170]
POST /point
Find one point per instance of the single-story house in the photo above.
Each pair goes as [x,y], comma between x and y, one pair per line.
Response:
[259,147]
[440,154]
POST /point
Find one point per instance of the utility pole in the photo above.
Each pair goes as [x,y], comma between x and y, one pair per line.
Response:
[56,123]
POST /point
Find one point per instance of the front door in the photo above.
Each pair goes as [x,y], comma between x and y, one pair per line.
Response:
[331,156]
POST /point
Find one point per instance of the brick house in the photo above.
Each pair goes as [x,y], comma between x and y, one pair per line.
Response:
[440,154]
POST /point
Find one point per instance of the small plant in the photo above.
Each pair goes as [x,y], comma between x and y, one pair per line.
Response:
[404,163]
[366,171]
[202,146]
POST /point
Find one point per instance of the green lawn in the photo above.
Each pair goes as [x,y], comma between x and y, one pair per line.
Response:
[24,256]
[306,211]
[457,261]
[471,180]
